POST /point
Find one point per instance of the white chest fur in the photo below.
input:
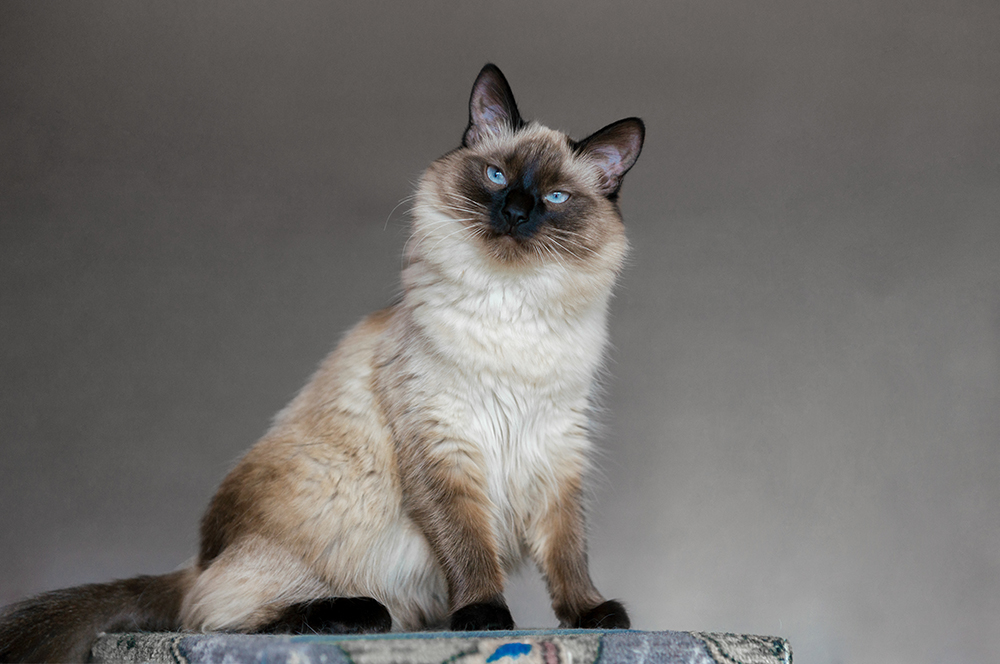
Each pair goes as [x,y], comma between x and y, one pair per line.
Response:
[513,370]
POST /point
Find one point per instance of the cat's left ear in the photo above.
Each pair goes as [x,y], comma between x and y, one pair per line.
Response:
[492,107]
[614,150]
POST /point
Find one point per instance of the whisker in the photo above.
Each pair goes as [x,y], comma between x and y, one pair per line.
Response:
[563,247]
[445,238]
[571,237]
[443,208]
[469,200]
[404,200]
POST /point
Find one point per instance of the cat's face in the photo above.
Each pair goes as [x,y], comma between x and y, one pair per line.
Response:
[524,195]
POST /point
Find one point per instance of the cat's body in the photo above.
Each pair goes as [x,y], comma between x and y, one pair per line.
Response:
[445,439]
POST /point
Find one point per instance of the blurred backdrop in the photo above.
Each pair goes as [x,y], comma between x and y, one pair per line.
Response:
[803,408]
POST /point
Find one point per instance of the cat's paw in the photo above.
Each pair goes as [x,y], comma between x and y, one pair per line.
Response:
[334,615]
[482,616]
[607,615]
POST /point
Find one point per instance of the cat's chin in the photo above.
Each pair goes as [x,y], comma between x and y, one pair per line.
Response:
[512,251]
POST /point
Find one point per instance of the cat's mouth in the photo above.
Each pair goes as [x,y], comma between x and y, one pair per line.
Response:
[508,239]
[513,246]
[519,235]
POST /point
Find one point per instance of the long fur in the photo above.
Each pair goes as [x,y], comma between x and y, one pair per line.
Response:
[443,442]
[59,626]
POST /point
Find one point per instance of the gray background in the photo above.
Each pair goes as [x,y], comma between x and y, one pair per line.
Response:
[196,200]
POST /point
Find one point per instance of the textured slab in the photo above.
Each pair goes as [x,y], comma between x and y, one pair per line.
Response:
[517,647]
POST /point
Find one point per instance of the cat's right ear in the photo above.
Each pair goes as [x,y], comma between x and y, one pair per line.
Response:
[491,107]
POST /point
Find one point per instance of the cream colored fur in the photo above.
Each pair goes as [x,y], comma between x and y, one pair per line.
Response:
[493,362]
[441,444]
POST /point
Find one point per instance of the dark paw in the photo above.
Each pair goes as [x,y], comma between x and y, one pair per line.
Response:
[482,616]
[335,615]
[607,615]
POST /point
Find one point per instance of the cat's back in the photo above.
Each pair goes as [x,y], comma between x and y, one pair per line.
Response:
[336,425]
[327,460]
[341,390]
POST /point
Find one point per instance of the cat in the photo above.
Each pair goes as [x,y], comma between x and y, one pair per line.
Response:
[443,442]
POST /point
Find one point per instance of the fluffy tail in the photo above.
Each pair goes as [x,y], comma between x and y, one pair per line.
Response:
[60,626]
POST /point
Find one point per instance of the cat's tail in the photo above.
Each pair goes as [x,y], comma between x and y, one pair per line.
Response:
[60,626]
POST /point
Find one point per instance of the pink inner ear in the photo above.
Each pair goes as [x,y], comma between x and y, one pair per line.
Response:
[608,157]
[611,163]
[492,116]
[614,149]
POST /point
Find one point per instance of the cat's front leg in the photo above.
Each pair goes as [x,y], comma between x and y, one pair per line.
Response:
[557,540]
[444,489]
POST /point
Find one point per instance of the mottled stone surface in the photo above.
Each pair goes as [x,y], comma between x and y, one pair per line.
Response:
[522,647]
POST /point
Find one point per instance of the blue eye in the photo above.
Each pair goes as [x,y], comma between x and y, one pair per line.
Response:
[495,175]
[557,197]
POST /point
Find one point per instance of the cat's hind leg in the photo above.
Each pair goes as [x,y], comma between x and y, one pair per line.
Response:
[248,586]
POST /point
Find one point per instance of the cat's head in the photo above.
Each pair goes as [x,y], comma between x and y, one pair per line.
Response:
[519,196]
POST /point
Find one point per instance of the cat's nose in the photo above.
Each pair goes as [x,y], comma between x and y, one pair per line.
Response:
[517,208]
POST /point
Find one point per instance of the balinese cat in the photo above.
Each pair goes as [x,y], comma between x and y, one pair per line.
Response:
[444,440]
